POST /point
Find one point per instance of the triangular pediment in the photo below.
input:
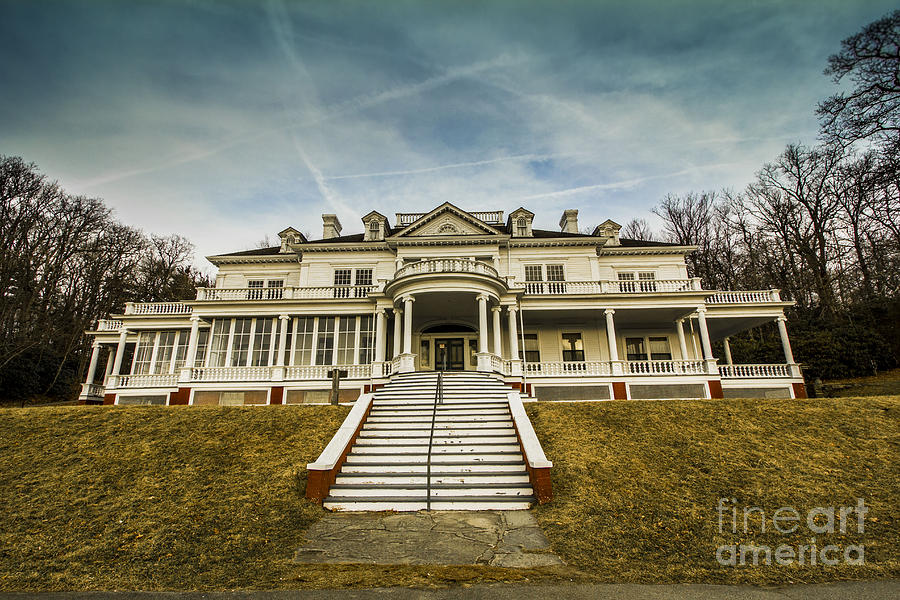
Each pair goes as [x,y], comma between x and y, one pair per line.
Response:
[447,220]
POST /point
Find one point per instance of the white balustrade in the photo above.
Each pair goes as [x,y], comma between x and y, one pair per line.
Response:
[567,368]
[231,373]
[650,286]
[283,293]
[745,297]
[496,363]
[91,390]
[157,308]
[664,367]
[317,372]
[142,381]
[109,325]
[446,265]
[754,371]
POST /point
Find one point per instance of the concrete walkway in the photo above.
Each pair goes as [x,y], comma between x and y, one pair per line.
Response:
[857,590]
[496,538]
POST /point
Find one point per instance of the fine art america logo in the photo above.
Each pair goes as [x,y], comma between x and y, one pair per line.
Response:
[788,521]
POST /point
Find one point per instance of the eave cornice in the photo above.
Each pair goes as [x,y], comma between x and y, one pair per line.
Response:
[246,260]
[555,242]
[344,247]
[644,251]
[446,240]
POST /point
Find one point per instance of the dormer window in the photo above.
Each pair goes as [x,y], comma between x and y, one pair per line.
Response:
[374,228]
[521,227]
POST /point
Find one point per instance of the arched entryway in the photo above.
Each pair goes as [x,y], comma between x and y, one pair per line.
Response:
[450,346]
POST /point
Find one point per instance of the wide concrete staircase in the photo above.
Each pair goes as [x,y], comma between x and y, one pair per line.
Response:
[475,462]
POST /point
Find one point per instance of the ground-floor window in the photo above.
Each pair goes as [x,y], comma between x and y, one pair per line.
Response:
[160,352]
[648,348]
[529,348]
[572,347]
[343,340]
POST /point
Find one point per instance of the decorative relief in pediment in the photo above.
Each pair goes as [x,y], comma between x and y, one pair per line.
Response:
[448,225]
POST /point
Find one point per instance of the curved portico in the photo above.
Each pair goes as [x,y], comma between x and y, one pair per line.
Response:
[445,305]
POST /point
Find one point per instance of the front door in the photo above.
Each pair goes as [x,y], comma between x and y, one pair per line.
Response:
[449,354]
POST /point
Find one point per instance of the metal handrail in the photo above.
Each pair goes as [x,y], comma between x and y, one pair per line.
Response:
[438,399]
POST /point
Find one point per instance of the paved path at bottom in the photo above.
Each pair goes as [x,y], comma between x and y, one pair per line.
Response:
[855,590]
[496,538]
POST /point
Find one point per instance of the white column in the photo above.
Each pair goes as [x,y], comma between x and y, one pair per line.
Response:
[704,333]
[482,323]
[728,360]
[398,330]
[407,324]
[284,321]
[120,352]
[192,343]
[110,360]
[611,334]
[92,367]
[379,335]
[682,343]
[513,333]
[498,348]
[785,342]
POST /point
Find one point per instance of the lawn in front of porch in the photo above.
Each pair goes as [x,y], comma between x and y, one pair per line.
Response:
[210,498]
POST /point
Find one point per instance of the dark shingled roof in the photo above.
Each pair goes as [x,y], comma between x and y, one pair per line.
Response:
[626,243]
[255,252]
[356,237]
[545,233]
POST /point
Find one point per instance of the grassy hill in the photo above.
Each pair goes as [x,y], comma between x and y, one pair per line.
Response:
[211,498]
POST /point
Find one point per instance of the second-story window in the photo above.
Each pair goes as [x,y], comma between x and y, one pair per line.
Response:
[255,289]
[342,276]
[363,277]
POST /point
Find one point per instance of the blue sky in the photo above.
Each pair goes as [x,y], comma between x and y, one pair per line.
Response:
[227,121]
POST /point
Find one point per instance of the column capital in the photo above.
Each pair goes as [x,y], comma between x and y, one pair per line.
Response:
[701,309]
[496,309]
[397,310]
[380,311]
[512,308]
[95,344]
[680,320]
[481,297]
[609,311]
[782,318]
[408,299]
[195,318]
[284,317]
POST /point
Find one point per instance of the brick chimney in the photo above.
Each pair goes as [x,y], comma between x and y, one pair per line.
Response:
[331,227]
[569,221]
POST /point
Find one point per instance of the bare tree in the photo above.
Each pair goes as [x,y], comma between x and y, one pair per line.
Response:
[637,229]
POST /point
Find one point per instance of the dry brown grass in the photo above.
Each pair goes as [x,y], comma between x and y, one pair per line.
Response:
[158,498]
[636,484]
[883,384]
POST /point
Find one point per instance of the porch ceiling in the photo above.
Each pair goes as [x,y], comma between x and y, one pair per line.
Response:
[431,308]
[722,327]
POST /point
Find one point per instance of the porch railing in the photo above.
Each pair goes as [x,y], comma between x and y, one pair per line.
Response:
[142,381]
[92,390]
[109,325]
[304,372]
[157,308]
[553,369]
[650,286]
[283,293]
[747,297]
[664,367]
[446,265]
[488,216]
[752,371]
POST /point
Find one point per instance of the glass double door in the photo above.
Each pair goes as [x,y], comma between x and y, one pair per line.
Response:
[449,354]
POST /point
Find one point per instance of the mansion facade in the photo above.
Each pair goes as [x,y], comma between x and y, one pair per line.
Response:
[559,315]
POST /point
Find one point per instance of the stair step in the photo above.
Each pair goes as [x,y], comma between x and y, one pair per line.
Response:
[393,441]
[506,477]
[477,432]
[493,458]
[466,468]
[439,425]
[448,503]
[437,491]
[408,449]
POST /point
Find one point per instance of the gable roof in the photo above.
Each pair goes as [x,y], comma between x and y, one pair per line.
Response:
[444,208]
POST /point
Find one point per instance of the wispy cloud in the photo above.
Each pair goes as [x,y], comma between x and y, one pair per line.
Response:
[460,165]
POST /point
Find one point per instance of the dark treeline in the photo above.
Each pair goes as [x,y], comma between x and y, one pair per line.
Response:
[65,262]
[821,223]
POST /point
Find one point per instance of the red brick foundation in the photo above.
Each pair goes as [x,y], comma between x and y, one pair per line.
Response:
[109,399]
[620,392]
[277,395]
[715,389]
[180,398]
[318,482]
[799,390]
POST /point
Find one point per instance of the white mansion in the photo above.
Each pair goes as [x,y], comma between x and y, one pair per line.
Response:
[555,314]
